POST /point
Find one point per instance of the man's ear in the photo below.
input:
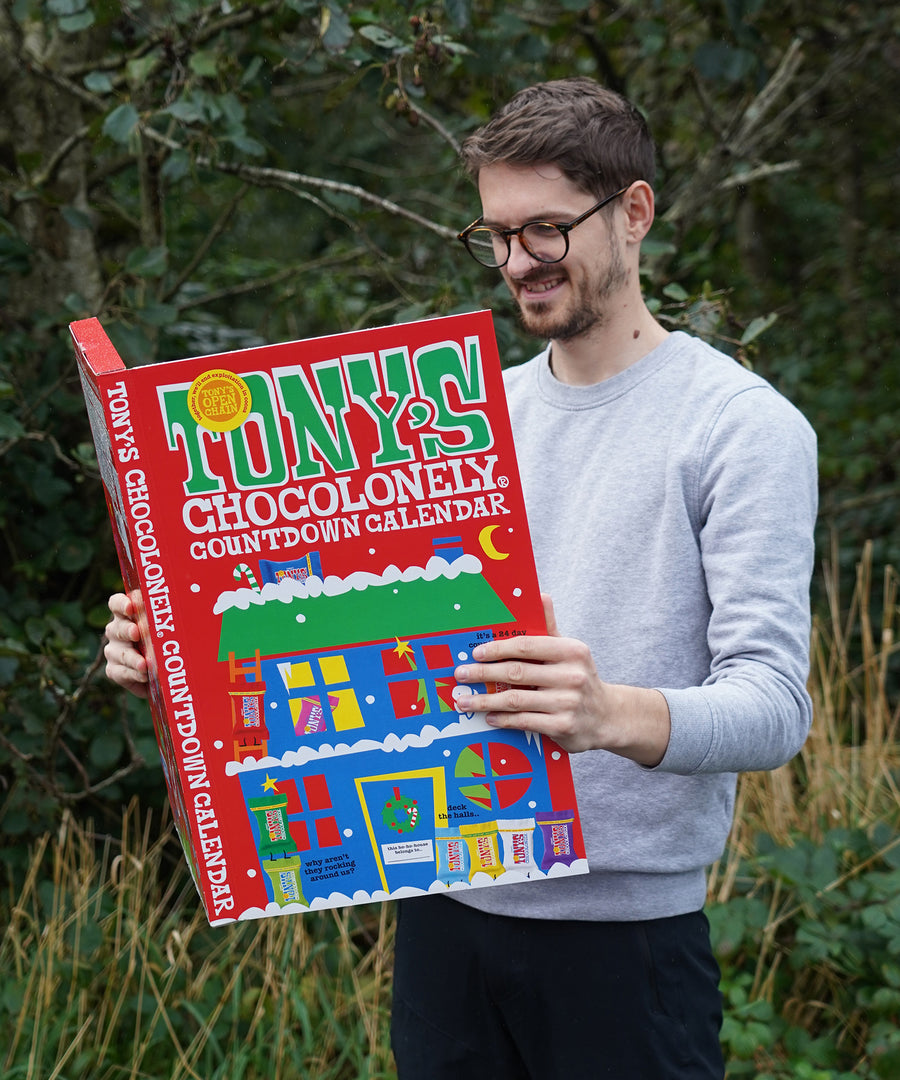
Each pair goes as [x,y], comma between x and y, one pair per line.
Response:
[639,206]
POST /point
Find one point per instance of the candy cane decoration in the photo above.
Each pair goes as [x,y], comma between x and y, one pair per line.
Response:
[243,570]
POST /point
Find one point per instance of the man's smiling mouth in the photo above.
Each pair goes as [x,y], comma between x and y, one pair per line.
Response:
[541,285]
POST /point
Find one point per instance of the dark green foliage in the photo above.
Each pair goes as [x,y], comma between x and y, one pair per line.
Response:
[809,947]
[65,740]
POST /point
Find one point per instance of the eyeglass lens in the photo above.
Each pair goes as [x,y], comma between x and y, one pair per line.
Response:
[542,240]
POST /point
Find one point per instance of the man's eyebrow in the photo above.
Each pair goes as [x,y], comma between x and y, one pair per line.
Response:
[553,216]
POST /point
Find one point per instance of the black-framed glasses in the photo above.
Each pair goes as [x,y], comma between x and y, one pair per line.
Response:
[546,241]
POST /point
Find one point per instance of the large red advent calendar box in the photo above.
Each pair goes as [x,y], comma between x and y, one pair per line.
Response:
[317,533]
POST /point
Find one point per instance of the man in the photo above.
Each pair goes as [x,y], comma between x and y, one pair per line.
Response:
[671,497]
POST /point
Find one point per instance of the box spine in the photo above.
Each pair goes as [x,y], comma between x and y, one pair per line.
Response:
[131,496]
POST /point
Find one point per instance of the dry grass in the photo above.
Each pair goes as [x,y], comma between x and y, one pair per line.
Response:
[118,975]
[847,772]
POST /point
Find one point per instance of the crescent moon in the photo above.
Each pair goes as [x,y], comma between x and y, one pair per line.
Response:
[486,539]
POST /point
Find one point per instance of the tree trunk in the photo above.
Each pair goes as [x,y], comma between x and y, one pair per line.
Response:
[43,170]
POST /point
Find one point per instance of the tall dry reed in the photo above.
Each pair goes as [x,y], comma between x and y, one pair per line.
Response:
[111,971]
[847,772]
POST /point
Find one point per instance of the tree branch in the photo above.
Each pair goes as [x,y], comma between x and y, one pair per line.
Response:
[218,227]
[836,507]
[267,177]
[761,172]
[748,136]
[254,174]
[59,155]
[198,36]
[741,140]
[430,120]
[753,115]
[273,279]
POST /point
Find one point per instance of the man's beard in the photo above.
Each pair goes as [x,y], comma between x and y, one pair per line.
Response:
[587,310]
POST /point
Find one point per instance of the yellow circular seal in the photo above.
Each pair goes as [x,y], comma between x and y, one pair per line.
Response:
[219,400]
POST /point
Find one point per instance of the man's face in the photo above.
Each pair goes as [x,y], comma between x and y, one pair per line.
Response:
[563,300]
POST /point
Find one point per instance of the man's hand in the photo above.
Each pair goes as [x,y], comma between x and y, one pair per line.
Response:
[125,663]
[552,687]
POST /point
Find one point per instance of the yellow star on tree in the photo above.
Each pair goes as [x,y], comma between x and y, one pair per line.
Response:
[404,649]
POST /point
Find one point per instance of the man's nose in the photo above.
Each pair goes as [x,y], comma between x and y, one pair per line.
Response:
[520,261]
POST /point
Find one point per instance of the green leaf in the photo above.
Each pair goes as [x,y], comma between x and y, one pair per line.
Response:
[719,61]
[204,62]
[251,71]
[158,314]
[66,7]
[12,996]
[176,166]
[337,32]
[71,24]
[15,255]
[874,917]
[121,122]
[823,867]
[139,69]
[106,749]
[657,247]
[76,218]
[75,303]
[12,647]
[233,111]
[131,343]
[189,112]
[247,145]
[674,291]
[456,48]
[380,37]
[757,326]
[459,12]
[652,34]
[10,427]
[148,262]
[99,82]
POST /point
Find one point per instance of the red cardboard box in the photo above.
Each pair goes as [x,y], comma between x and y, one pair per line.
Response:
[316,534]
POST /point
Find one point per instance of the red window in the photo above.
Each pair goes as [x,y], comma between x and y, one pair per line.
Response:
[317,796]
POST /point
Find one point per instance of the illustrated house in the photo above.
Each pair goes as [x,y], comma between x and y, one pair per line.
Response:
[357,664]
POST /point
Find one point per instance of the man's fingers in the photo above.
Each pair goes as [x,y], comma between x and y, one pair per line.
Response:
[549,615]
[120,604]
[511,672]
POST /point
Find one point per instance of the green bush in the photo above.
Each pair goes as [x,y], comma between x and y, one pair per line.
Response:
[809,946]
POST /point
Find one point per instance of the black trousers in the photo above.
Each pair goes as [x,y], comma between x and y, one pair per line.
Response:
[485,997]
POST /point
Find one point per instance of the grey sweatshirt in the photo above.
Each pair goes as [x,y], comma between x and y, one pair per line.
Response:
[671,509]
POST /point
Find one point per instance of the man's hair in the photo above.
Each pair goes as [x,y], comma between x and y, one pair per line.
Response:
[597,137]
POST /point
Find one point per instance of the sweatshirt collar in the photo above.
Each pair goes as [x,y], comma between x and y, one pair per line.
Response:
[565,396]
